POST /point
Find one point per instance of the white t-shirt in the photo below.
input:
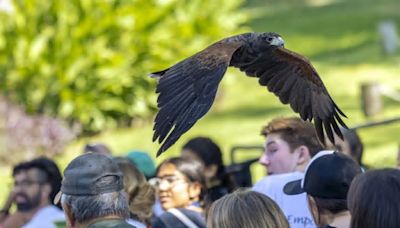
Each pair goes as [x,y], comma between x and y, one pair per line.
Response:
[295,207]
[46,218]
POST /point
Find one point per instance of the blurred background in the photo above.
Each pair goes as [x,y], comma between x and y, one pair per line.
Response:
[75,72]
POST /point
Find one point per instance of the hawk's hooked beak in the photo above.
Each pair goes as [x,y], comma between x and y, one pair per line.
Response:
[277,41]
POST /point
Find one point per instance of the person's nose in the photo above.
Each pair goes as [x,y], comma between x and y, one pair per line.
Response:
[264,160]
[163,186]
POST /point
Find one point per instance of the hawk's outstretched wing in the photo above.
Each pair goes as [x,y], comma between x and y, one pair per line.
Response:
[187,90]
[294,80]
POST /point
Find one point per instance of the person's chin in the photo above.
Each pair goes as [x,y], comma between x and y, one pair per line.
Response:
[166,204]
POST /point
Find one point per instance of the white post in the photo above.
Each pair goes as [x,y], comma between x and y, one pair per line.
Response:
[389,37]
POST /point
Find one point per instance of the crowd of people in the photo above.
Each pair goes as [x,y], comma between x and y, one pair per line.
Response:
[306,185]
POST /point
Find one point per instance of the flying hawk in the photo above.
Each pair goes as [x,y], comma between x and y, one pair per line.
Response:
[188,88]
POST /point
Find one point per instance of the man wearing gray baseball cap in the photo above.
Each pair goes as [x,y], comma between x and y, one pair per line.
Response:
[92,193]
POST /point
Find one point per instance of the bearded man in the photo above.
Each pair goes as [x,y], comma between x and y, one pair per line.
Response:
[36,183]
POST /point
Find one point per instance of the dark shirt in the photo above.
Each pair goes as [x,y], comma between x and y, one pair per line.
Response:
[111,223]
[215,193]
[328,226]
[168,220]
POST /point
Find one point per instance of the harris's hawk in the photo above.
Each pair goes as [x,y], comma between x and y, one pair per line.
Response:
[187,89]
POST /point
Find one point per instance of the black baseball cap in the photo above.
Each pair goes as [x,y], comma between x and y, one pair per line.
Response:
[83,176]
[328,175]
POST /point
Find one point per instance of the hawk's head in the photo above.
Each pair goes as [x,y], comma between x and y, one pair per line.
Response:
[273,39]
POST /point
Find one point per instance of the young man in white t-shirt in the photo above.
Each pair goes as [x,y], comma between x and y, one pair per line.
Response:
[290,144]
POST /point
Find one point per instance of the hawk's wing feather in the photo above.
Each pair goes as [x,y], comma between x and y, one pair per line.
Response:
[187,90]
[295,81]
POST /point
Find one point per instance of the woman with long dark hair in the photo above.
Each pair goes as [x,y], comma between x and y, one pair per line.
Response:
[218,182]
[374,199]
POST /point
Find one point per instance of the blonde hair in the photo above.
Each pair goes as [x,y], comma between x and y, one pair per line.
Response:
[246,209]
[141,195]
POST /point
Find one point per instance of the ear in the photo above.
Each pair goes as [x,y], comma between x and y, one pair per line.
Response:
[69,217]
[194,191]
[303,155]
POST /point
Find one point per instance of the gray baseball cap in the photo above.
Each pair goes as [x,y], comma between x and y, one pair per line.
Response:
[83,176]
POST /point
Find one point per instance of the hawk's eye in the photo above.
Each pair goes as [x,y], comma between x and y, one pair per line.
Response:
[269,39]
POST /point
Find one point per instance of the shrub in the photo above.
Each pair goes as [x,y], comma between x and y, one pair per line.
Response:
[87,61]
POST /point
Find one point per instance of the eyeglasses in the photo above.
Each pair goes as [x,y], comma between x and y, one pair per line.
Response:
[26,183]
[168,180]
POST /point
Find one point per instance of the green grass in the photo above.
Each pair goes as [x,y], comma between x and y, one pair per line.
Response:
[341,40]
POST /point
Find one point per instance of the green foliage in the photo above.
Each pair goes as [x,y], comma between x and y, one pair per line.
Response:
[87,60]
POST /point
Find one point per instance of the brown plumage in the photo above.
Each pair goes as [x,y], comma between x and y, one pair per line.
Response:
[187,89]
